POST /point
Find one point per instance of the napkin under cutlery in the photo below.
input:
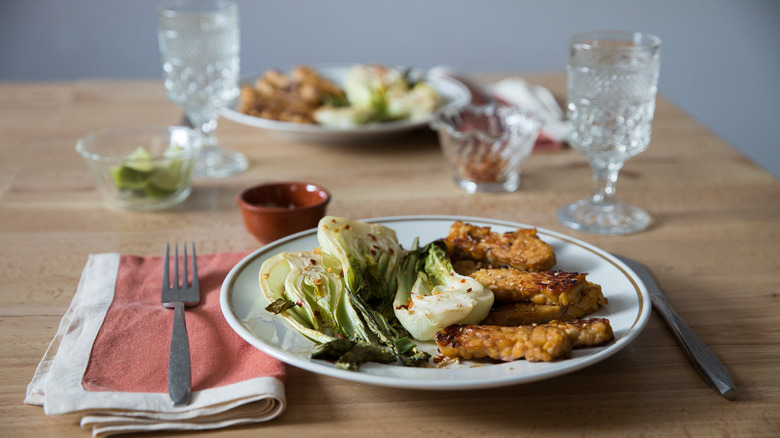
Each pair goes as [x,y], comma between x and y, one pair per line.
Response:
[108,360]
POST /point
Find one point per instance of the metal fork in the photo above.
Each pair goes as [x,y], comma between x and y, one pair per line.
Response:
[178,296]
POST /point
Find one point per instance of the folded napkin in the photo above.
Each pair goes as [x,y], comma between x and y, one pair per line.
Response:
[515,91]
[108,361]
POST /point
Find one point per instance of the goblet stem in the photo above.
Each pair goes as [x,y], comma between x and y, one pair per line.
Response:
[602,213]
[605,175]
[215,162]
[207,128]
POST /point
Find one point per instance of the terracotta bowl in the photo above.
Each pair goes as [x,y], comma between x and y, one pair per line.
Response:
[275,210]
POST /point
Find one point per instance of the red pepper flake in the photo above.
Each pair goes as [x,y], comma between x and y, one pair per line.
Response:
[346,227]
[468,290]
[299,303]
[462,280]
[371,236]
[373,252]
[392,252]
[312,261]
[402,306]
[340,336]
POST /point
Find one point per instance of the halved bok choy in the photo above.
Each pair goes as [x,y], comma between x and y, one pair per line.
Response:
[308,291]
[438,297]
[341,291]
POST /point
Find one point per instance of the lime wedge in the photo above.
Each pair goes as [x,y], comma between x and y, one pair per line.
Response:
[153,191]
[127,178]
[140,160]
[170,177]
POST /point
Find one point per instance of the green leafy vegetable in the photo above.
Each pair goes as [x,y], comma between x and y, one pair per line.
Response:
[438,296]
[279,306]
[378,93]
[371,258]
[349,354]
[313,282]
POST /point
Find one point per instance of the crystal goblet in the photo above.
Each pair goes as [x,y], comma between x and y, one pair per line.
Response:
[199,43]
[612,79]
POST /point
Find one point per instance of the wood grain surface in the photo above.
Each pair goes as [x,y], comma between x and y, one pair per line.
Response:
[714,247]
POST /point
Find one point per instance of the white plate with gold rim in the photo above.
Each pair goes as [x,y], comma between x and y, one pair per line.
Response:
[628,311]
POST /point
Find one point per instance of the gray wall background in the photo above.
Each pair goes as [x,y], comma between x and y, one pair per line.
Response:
[720,58]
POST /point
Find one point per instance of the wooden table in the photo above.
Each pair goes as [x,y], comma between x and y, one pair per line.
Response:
[714,247]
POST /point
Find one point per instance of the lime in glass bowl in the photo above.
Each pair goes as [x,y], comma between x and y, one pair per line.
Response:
[148,168]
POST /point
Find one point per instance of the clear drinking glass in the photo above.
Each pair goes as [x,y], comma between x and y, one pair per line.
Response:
[612,78]
[199,44]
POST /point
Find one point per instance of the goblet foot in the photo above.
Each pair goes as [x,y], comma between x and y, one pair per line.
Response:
[220,163]
[609,218]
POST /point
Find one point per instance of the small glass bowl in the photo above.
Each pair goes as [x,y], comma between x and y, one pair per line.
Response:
[485,145]
[148,168]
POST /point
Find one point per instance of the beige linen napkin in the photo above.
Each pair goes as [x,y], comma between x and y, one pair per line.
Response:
[108,360]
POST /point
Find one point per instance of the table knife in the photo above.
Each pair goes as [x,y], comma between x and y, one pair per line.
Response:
[705,361]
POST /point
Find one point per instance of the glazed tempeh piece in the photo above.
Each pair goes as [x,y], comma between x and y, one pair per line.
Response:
[589,332]
[535,344]
[520,313]
[525,313]
[521,249]
[510,285]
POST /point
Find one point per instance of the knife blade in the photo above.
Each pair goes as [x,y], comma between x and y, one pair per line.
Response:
[705,361]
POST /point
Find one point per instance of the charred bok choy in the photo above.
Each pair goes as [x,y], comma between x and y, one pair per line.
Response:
[340,295]
[438,297]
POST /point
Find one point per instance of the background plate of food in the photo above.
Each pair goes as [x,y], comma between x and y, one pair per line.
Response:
[342,102]
[626,307]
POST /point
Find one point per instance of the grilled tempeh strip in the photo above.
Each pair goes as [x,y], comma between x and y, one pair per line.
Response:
[589,301]
[547,287]
[535,344]
[521,249]
[589,332]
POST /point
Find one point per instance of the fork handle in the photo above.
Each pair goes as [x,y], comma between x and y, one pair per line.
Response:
[179,359]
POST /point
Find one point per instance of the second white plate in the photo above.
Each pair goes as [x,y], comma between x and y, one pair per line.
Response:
[453,93]
[243,305]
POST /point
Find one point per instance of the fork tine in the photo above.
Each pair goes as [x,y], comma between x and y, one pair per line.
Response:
[166,269]
[184,280]
[176,266]
[194,268]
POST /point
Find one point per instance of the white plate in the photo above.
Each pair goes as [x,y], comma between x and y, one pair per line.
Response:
[453,93]
[628,311]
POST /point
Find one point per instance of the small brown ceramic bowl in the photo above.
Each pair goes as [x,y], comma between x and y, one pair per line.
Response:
[274,210]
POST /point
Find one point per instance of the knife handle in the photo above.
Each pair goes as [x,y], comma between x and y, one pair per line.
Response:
[705,361]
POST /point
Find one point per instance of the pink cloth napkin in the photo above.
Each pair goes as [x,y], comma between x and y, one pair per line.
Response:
[130,352]
[109,358]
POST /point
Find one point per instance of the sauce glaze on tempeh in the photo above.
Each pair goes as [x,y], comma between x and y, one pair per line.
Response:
[535,344]
[521,249]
